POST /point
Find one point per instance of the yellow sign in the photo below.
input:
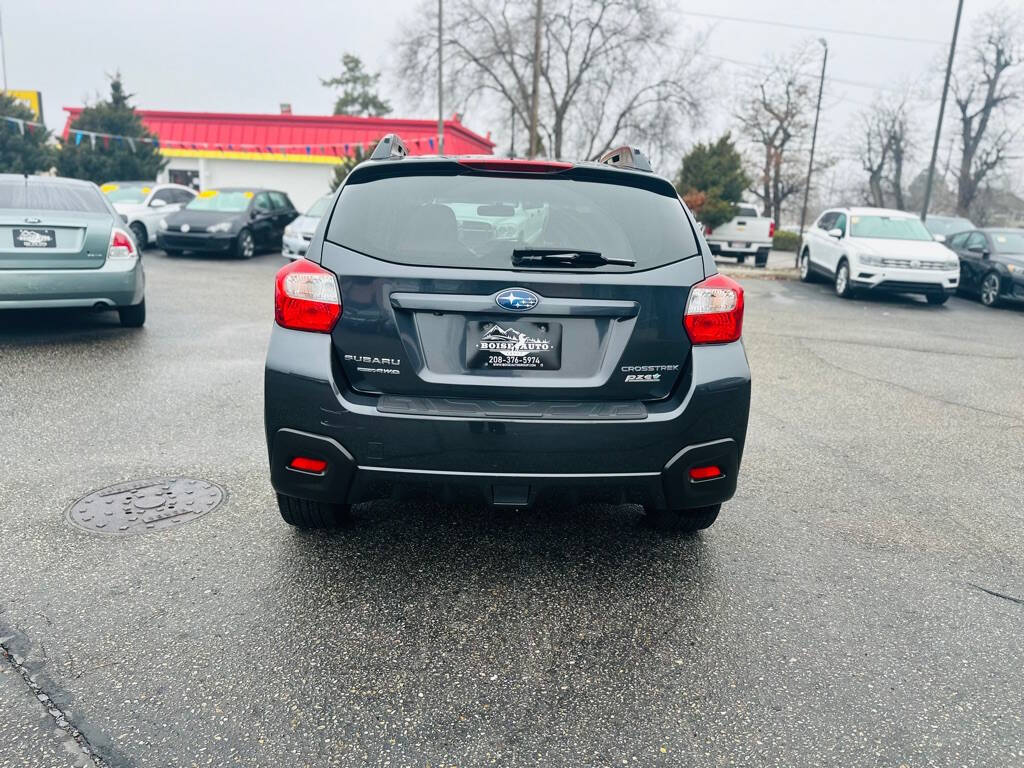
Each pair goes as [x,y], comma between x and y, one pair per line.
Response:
[108,188]
[208,193]
[31,99]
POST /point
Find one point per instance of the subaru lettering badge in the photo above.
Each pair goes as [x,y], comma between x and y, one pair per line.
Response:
[517,300]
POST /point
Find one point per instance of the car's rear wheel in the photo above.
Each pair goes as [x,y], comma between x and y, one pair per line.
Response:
[683,520]
[245,246]
[303,513]
[761,259]
[133,316]
[740,258]
[990,289]
[937,298]
[141,236]
[843,288]
[806,275]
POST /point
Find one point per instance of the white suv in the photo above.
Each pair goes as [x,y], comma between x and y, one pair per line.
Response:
[878,250]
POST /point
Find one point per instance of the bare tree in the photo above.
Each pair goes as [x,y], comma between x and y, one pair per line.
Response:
[775,118]
[610,71]
[984,88]
[874,155]
[884,149]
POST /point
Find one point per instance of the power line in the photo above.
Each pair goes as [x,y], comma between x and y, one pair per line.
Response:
[830,78]
[807,28]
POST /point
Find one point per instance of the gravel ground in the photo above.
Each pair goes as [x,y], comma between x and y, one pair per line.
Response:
[858,603]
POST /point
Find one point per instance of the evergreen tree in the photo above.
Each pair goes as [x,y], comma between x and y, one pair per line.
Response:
[27,152]
[110,159]
[712,181]
[344,168]
[358,88]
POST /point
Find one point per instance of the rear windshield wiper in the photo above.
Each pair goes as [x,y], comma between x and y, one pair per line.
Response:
[564,257]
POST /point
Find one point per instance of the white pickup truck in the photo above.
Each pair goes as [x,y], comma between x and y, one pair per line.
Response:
[747,234]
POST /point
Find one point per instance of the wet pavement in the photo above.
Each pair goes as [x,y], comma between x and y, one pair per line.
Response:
[857,603]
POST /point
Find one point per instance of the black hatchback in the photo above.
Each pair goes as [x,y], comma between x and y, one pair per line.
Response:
[502,331]
[235,221]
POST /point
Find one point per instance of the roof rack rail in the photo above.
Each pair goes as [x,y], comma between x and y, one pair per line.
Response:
[390,147]
[626,157]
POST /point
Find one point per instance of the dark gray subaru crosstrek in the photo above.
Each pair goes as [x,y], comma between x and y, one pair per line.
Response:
[483,329]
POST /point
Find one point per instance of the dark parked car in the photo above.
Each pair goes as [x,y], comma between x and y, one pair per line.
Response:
[583,345]
[232,220]
[941,227]
[991,263]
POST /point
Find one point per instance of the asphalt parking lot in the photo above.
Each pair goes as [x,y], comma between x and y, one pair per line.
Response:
[860,601]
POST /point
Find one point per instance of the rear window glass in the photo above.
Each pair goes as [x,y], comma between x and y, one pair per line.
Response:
[477,221]
[51,196]
[746,210]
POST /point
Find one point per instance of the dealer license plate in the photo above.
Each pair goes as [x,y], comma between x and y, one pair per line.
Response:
[517,346]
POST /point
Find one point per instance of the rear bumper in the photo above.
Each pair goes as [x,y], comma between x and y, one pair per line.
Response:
[118,283]
[723,248]
[203,242]
[508,461]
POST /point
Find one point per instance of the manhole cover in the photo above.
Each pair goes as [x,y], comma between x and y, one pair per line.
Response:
[142,506]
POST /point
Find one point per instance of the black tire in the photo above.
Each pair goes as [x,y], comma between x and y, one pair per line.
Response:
[804,265]
[937,299]
[842,282]
[245,245]
[740,258]
[303,513]
[988,291]
[761,259]
[171,254]
[141,235]
[133,316]
[683,520]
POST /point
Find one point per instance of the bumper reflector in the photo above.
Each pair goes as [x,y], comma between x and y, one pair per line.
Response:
[305,464]
[705,473]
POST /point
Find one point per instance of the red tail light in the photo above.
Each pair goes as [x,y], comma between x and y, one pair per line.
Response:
[705,473]
[707,230]
[121,245]
[771,229]
[714,311]
[306,464]
[306,297]
[515,165]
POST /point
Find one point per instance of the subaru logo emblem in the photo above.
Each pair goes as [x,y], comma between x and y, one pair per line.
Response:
[185,227]
[517,300]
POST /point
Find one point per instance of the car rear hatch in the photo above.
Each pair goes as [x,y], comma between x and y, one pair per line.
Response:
[52,224]
[480,282]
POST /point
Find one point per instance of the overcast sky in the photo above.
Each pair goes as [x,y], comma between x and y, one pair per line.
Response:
[251,56]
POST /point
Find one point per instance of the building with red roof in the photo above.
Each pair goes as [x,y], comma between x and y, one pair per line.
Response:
[292,153]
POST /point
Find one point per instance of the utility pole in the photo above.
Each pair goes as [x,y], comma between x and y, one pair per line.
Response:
[440,79]
[814,140]
[942,112]
[536,80]
[3,51]
[512,148]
